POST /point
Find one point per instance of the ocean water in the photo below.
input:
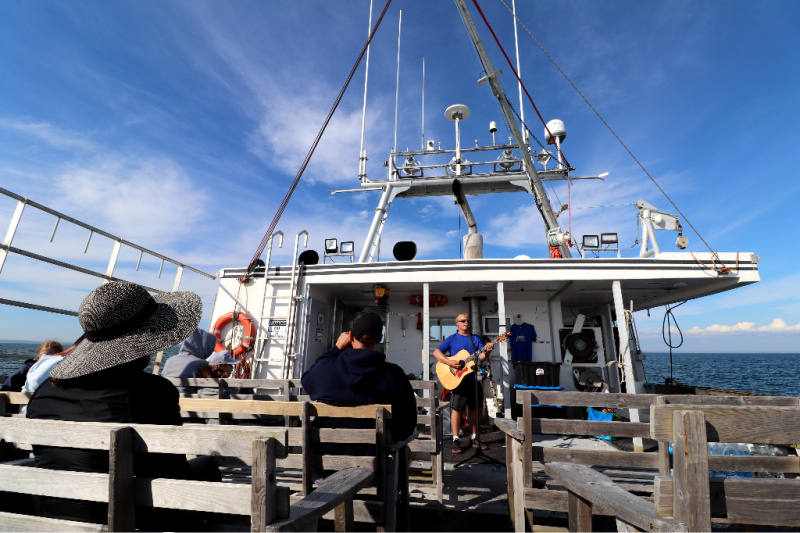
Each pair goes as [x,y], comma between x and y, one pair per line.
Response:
[7,366]
[768,373]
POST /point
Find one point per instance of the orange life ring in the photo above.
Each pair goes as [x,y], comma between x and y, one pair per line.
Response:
[434,300]
[249,332]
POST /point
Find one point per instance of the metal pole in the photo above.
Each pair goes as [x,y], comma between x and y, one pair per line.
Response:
[397,84]
[362,171]
[542,202]
[625,355]
[426,333]
[504,366]
[519,71]
[422,147]
[389,193]
[12,230]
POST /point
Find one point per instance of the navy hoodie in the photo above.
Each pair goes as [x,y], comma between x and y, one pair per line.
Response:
[360,377]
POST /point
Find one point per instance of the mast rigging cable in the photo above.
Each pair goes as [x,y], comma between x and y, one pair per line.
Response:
[713,253]
[265,239]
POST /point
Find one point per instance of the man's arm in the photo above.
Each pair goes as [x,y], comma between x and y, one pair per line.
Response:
[485,355]
[442,358]
[342,343]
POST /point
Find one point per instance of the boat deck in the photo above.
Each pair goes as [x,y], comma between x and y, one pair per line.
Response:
[475,493]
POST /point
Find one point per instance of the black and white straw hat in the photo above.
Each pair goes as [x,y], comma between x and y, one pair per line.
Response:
[123,322]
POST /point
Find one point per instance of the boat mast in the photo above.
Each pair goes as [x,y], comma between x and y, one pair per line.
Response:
[539,196]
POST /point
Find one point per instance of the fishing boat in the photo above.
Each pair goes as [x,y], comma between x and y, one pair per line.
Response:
[580,300]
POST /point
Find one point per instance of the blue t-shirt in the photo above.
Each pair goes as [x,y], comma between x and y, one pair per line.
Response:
[457,342]
[522,339]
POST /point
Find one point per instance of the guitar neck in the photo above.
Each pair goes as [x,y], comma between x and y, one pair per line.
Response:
[474,356]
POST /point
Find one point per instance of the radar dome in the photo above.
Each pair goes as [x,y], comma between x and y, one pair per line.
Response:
[557,129]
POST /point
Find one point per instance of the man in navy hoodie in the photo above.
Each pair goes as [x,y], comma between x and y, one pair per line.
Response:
[353,373]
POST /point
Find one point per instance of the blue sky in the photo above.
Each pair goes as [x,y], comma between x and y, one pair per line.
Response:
[180,125]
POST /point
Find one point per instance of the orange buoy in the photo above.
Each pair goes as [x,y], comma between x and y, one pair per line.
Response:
[249,332]
[434,300]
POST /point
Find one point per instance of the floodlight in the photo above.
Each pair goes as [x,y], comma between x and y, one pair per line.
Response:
[347,247]
[507,161]
[608,238]
[591,241]
[411,166]
[544,157]
[331,246]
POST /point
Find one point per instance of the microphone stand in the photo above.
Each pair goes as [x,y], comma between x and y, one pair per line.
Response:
[478,452]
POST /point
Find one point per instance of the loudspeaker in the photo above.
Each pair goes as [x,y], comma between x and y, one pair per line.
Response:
[405,250]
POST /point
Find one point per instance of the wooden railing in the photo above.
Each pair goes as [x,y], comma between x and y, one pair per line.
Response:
[686,497]
[529,486]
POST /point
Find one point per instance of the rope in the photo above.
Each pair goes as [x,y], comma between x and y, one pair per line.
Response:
[609,129]
[277,217]
[722,269]
[668,319]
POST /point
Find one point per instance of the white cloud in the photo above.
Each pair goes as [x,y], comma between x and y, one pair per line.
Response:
[46,132]
[135,198]
[776,326]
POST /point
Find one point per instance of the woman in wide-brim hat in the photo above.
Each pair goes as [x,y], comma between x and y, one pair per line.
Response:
[103,380]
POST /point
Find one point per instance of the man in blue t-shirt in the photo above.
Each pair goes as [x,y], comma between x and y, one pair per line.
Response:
[464,395]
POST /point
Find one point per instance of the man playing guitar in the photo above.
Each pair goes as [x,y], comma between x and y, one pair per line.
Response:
[463,396]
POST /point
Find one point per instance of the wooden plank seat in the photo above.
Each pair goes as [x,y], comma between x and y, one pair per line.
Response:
[688,497]
[427,476]
[378,503]
[275,389]
[262,500]
[239,389]
[530,487]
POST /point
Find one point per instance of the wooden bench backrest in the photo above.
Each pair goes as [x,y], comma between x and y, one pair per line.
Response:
[529,426]
[691,497]
[249,444]
[302,439]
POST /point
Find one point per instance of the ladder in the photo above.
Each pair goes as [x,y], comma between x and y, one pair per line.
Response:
[277,338]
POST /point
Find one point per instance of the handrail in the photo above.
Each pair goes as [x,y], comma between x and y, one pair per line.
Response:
[93,229]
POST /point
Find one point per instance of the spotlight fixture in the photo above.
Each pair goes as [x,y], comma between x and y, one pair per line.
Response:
[331,246]
[608,239]
[591,241]
[347,247]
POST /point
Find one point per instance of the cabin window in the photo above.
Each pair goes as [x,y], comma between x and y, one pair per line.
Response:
[492,324]
[441,328]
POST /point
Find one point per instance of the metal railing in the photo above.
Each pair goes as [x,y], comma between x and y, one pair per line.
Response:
[6,248]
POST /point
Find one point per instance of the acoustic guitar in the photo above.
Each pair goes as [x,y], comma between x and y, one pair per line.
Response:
[452,377]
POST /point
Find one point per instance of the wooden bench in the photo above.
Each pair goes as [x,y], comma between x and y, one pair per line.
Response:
[238,389]
[261,500]
[688,499]
[381,503]
[427,476]
[378,503]
[428,443]
[275,389]
[529,486]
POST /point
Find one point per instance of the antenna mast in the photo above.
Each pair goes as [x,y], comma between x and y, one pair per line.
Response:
[422,147]
[539,196]
[362,156]
[519,72]
[397,89]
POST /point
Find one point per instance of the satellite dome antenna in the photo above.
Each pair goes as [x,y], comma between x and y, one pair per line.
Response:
[456,113]
[554,133]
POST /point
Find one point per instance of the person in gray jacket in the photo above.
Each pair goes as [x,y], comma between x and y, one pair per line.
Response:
[191,358]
